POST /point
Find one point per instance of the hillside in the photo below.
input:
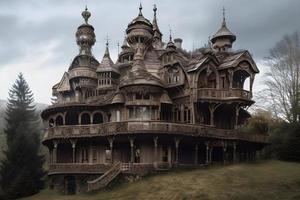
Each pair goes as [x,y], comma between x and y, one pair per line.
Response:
[267,180]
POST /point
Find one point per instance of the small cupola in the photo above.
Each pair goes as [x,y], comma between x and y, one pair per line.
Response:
[224,38]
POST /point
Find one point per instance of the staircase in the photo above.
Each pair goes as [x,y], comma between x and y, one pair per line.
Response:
[106,178]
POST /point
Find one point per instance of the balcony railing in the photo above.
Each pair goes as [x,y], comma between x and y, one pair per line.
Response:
[213,93]
[77,168]
[140,127]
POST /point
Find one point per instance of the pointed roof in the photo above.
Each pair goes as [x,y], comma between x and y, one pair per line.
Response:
[223,31]
[156,30]
[171,44]
[106,64]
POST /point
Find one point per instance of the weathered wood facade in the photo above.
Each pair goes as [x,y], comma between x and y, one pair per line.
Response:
[157,107]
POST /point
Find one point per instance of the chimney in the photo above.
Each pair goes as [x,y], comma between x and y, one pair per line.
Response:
[178,43]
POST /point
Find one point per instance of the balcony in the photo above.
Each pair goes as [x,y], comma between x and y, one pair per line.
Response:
[144,127]
[77,168]
[223,94]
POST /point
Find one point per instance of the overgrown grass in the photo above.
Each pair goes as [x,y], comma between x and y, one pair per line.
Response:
[267,180]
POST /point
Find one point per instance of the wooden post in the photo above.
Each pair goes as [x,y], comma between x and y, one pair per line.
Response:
[176,140]
[155,139]
[55,144]
[234,152]
[73,142]
[111,145]
[207,152]
[237,111]
[131,149]
[224,152]
[196,154]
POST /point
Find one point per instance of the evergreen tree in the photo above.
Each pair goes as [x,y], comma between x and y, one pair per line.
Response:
[21,172]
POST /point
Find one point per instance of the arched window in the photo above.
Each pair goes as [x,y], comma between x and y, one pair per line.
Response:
[239,78]
[51,123]
[85,118]
[59,121]
[71,118]
[98,118]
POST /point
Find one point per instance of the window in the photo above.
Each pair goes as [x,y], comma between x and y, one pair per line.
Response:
[187,115]
[141,112]
[140,96]
[174,75]
[84,155]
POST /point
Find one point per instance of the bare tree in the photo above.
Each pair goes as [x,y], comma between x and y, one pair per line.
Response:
[282,79]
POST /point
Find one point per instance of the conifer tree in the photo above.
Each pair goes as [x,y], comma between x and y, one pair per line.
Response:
[21,171]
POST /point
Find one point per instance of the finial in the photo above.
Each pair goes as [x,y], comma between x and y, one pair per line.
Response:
[86,15]
[107,41]
[154,9]
[170,33]
[140,8]
[224,19]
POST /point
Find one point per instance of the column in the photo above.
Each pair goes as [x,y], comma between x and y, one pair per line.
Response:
[234,152]
[224,152]
[210,154]
[111,145]
[155,139]
[55,144]
[207,152]
[237,111]
[131,149]
[196,154]
[73,142]
[176,140]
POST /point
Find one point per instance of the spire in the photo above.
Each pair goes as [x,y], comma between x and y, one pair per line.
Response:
[157,33]
[224,19]
[86,15]
[140,8]
[106,54]
[171,44]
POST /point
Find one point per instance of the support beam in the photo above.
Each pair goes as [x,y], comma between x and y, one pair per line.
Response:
[131,140]
[207,152]
[224,152]
[73,142]
[155,140]
[237,111]
[234,152]
[177,141]
[111,145]
[196,154]
[55,144]
[212,107]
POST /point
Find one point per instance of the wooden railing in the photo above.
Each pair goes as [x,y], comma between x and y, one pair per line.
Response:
[213,93]
[156,127]
[106,178]
[77,168]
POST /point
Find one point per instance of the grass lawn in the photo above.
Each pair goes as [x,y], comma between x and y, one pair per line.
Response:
[266,180]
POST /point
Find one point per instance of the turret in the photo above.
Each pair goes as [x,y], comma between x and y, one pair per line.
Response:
[224,38]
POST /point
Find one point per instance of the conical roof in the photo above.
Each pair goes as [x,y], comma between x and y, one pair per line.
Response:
[106,64]
[223,32]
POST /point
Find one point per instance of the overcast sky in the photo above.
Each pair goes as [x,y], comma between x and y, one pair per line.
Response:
[37,36]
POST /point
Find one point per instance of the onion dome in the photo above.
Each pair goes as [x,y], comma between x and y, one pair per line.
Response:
[118,98]
[85,36]
[106,64]
[223,37]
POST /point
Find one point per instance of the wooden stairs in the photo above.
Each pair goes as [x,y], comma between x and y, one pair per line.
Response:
[106,178]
